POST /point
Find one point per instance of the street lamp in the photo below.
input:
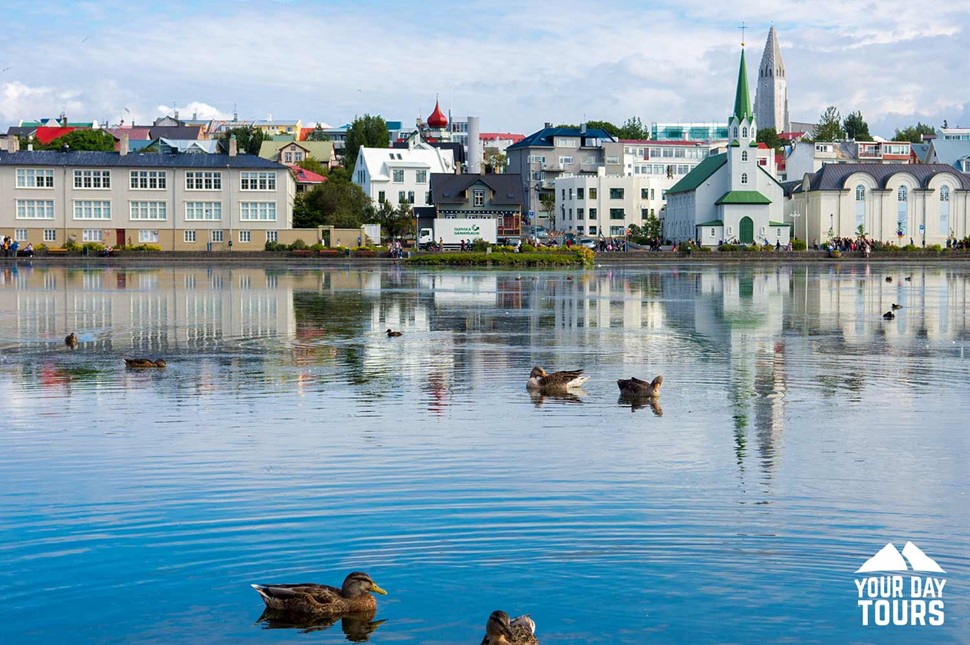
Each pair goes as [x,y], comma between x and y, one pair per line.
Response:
[795,215]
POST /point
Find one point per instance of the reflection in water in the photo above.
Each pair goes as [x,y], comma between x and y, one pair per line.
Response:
[641,402]
[357,628]
[574,395]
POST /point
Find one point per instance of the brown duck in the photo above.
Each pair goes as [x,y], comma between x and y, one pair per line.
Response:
[555,383]
[140,363]
[71,340]
[309,599]
[499,630]
[635,388]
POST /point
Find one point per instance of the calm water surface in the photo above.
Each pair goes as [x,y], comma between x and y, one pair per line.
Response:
[290,440]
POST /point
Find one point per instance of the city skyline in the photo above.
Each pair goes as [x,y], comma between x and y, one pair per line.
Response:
[516,66]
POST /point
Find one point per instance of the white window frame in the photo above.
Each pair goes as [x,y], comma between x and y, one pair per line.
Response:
[20,235]
[29,209]
[245,237]
[92,235]
[87,179]
[395,173]
[198,179]
[257,211]
[421,176]
[50,234]
[148,236]
[203,211]
[28,178]
[92,210]
[217,235]
[143,180]
[251,180]
[272,236]
[189,236]
[478,197]
[150,211]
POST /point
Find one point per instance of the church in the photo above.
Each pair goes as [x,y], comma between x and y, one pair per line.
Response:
[729,197]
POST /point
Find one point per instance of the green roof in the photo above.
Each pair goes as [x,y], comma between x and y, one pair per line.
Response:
[742,100]
[735,144]
[770,223]
[713,222]
[743,197]
[699,174]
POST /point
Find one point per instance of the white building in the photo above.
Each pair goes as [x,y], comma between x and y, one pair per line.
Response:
[401,174]
[810,156]
[606,205]
[729,196]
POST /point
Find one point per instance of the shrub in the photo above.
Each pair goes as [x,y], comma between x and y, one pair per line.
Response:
[935,248]
[92,247]
[274,246]
[479,245]
[799,245]
[298,245]
[71,244]
[728,248]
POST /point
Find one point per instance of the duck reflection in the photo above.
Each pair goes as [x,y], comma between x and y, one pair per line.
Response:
[572,396]
[357,627]
[640,402]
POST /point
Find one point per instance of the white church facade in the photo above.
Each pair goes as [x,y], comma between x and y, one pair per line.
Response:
[729,197]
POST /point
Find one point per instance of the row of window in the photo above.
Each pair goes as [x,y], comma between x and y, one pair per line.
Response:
[615,213]
[667,152]
[397,176]
[145,236]
[150,211]
[404,196]
[146,179]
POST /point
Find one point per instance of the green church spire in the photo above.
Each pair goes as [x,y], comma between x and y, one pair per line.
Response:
[742,101]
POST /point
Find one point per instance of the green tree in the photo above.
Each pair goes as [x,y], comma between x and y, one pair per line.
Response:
[495,160]
[313,165]
[336,202]
[90,140]
[395,222]
[856,127]
[912,133]
[614,130]
[547,205]
[770,138]
[248,140]
[829,126]
[633,128]
[318,134]
[365,132]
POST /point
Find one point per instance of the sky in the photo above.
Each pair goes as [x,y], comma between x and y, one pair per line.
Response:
[516,65]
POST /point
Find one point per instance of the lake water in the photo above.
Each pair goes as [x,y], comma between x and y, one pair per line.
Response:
[290,440]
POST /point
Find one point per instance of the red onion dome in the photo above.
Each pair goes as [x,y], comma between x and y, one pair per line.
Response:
[437,118]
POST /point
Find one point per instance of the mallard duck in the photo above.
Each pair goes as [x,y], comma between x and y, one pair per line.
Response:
[555,383]
[636,389]
[144,363]
[908,278]
[394,334]
[71,340]
[889,315]
[310,599]
[499,630]
[895,306]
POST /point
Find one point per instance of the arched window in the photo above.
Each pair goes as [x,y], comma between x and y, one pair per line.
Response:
[744,178]
[744,132]
[735,130]
[744,155]
[945,210]
[860,206]
[902,213]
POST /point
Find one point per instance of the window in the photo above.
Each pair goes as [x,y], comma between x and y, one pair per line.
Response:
[401,196]
[744,178]
[860,206]
[580,193]
[189,237]
[89,209]
[945,209]
[92,235]
[398,176]
[245,237]
[644,213]
[20,235]
[410,196]
[744,132]
[203,180]
[257,211]
[257,181]
[203,211]
[479,197]
[616,193]
[50,234]
[147,236]
[147,210]
[92,179]
[35,209]
[148,180]
[35,178]
[592,193]
[298,156]
[579,229]
[287,157]
[580,213]
[421,176]
[744,155]
[566,160]
[617,213]
[902,213]
[644,193]
[612,160]
[592,230]
[381,197]
[217,236]
[592,214]
[617,231]
[734,132]
[427,197]
[272,236]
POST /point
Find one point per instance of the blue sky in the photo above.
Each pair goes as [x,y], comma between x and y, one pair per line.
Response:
[514,64]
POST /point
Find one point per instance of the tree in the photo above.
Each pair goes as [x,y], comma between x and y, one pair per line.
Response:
[633,128]
[856,127]
[336,202]
[495,160]
[365,132]
[770,138]
[604,125]
[829,127]
[395,222]
[313,165]
[91,140]
[547,204]
[248,140]
[912,133]
[318,134]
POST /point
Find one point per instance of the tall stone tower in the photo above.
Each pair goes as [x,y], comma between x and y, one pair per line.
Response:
[771,100]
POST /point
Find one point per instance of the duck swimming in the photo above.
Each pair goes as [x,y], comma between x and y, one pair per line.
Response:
[394,334]
[889,315]
[889,278]
[71,340]
[144,363]
[895,306]
[309,599]
[555,383]
[635,388]
[499,630]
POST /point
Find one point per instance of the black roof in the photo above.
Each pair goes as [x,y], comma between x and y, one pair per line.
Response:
[133,160]
[833,176]
[20,131]
[174,132]
[448,189]
[545,138]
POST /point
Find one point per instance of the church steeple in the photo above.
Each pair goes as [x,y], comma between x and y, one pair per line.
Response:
[771,102]
[742,100]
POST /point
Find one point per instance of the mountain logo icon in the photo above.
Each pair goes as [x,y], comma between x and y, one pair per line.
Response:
[889,559]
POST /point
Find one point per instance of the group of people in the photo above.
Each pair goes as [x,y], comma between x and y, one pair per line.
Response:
[394,249]
[11,248]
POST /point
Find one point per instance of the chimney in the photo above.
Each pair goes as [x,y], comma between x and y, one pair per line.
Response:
[233,149]
[123,144]
[548,125]
[474,147]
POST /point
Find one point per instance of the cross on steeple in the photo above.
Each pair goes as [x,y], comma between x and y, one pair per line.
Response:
[742,28]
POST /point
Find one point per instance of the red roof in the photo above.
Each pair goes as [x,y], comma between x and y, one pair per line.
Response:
[494,136]
[304,176]
[788,136]
[46,135]
[304,133]
[437,118]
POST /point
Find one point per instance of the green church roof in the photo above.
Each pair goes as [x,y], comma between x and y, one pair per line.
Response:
[699,174]
[743,197]
[742,100]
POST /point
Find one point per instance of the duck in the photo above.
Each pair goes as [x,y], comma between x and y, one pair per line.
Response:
[499,630]
[908,278]
[558,382]
[310,599]
[394,334]
[144,363]
[889,315]
[71,340]
[889,278]
[895,306]
[635,388]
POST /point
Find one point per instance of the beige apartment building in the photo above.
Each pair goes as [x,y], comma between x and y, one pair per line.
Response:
[179,202]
